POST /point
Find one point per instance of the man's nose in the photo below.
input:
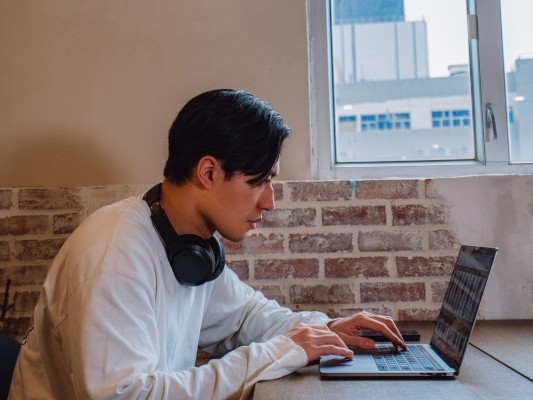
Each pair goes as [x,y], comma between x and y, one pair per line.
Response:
[267,202]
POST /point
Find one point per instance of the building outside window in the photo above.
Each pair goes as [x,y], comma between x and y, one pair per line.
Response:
[420,79]
[450,118]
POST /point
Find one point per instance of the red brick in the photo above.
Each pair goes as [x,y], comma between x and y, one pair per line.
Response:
[278,269]
[418,314]
[289,218]
[425,266]
[347,312]
[303,307]
[278,191]
[232,248]
[420,215]
[255,244]
[6,199]
[354,267]
[322,294]
[15,327]
[240,268]
[260,244]
[4,251]
[50,199]
[392,291]
[320,242]
[400,189]
[25,301]
[390,241]
[438,289]
[273,292]
[359,215]
[431,189]
[24,274]
[37,249]
[320,191]
[66,223]
[24,225]
[442,239]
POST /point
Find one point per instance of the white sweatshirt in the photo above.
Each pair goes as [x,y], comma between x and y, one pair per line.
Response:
[113,323]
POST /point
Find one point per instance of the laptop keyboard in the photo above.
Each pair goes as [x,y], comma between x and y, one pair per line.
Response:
[415,358]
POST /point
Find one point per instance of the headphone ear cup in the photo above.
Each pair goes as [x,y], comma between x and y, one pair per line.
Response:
[220,255]
[192,260]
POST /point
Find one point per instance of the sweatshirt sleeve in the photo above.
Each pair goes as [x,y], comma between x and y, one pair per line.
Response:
[238,315]
[234,375]
[117,359]
[107,313]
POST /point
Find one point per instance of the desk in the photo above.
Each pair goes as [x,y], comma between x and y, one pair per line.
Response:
[510,342]
[482,374]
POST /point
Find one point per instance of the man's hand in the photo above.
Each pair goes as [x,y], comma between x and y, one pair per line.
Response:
[348,328]
[318,340]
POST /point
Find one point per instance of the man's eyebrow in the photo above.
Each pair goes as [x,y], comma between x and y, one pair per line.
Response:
[272,174]
[274,171]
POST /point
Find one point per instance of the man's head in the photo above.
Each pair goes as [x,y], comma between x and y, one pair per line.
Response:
[241,131]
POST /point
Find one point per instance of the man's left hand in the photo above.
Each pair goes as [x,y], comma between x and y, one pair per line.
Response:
[349,327]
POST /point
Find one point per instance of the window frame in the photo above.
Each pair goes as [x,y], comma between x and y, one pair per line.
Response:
[488,88]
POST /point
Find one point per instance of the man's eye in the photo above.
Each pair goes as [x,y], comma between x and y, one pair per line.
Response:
[262,183]
[266,182]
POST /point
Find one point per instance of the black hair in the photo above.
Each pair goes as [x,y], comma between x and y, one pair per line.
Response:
[240,130]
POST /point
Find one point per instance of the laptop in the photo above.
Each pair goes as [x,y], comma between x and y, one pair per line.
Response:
[442,357]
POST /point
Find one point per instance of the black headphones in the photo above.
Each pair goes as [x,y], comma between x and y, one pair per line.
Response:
[194,260]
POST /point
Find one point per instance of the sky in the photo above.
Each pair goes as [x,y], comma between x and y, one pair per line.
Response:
[446,23]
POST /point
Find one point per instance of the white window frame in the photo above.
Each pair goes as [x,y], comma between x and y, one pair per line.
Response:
[492,153]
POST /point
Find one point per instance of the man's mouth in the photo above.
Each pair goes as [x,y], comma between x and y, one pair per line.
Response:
[254,222]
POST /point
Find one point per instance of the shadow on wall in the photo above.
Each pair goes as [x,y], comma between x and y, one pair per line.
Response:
[60,158]
[497,211]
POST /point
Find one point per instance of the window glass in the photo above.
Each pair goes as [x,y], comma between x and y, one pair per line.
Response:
[518,57]
[401,81]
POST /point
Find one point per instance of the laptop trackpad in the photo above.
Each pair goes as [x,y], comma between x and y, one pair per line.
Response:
[360,362]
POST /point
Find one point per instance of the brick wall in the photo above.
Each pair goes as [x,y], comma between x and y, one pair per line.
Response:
[335,246]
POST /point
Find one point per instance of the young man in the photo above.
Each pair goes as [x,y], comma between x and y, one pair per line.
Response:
[142,283]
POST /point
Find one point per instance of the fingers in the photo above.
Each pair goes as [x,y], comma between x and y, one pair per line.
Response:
[347,329]
[318,340]
[358,341]
[331,344]
[386,326]
[333,350]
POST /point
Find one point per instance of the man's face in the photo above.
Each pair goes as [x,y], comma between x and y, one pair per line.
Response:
[239,205]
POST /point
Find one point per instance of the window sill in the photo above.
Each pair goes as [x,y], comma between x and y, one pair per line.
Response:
[419,170]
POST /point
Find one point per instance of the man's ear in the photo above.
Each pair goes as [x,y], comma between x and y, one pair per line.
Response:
[207,170]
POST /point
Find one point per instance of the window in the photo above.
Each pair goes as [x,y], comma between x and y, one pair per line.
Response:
[447,118]
[347,123]
[417,87]
[383,122]
[516,19]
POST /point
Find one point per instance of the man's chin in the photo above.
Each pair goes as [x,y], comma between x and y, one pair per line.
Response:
[234,238]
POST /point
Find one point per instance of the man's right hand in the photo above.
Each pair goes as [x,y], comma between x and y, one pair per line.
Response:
[318,340]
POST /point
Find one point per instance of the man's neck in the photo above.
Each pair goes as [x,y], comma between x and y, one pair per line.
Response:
[182,204]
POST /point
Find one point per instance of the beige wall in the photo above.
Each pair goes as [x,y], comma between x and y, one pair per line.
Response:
[90,88]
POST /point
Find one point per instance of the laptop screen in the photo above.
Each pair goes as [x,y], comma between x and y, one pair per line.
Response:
[461,303]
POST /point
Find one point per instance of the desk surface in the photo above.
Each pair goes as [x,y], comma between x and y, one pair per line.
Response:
[510,342]
[481,376]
